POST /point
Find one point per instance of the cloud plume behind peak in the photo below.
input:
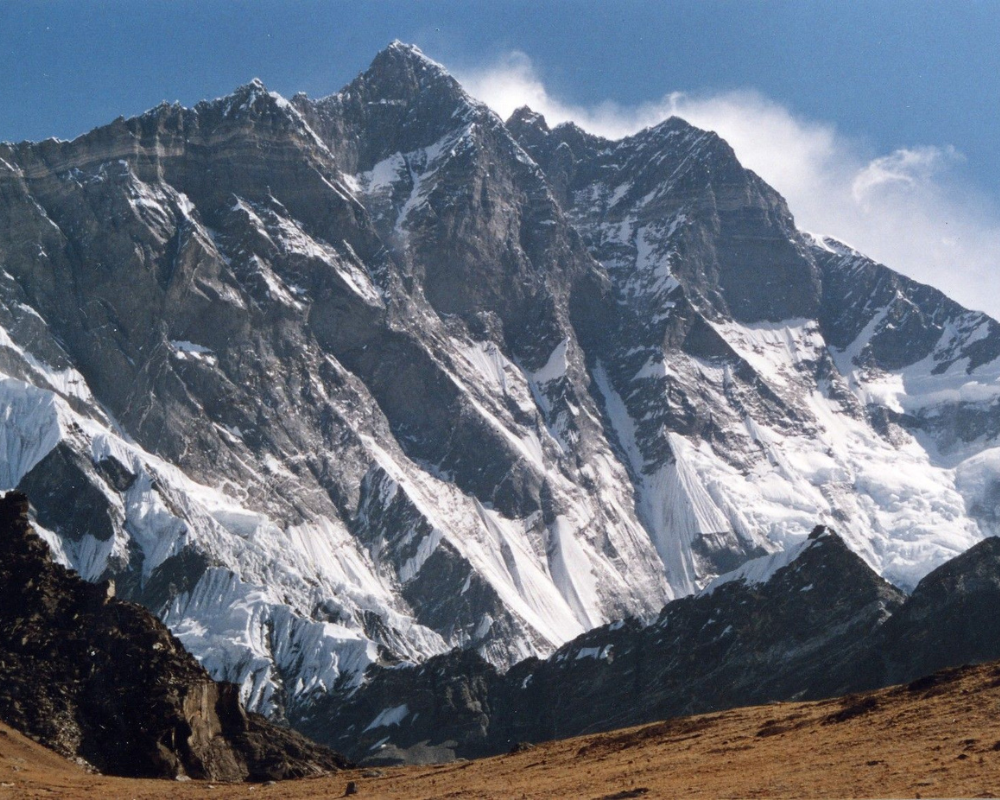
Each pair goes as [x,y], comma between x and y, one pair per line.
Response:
[908,208]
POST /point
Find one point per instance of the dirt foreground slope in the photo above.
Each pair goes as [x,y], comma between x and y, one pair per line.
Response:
[936,737]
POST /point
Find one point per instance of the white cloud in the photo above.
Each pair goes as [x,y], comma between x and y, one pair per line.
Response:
[905,208]
[905,168]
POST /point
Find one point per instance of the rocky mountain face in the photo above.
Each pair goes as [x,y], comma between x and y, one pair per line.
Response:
[356,381]
[101,679]
[809,623]
[776,372]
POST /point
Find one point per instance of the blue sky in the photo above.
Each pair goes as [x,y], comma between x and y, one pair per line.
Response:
[892,108]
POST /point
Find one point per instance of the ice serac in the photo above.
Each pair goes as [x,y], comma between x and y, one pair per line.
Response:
[351,382]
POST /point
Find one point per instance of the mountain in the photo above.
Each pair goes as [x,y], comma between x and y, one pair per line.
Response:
[103,680]
[783,375]
[356,381]
[788,631]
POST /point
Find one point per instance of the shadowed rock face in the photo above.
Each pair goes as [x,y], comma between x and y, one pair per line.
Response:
[950,619]
[101,679]
[740,254]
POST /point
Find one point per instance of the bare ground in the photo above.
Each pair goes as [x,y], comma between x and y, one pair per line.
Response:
[938,737]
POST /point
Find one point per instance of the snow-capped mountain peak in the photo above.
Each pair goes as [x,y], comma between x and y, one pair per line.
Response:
[362,379]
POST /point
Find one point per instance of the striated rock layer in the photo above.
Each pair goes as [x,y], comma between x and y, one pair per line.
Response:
[101,679]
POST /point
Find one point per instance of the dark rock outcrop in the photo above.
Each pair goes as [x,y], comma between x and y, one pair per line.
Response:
[950,619]
[101,679]
[444,708]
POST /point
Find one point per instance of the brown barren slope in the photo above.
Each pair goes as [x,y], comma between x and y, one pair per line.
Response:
[936,737]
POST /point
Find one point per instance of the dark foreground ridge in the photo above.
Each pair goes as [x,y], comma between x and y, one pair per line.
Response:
[101,679]
[822,626]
